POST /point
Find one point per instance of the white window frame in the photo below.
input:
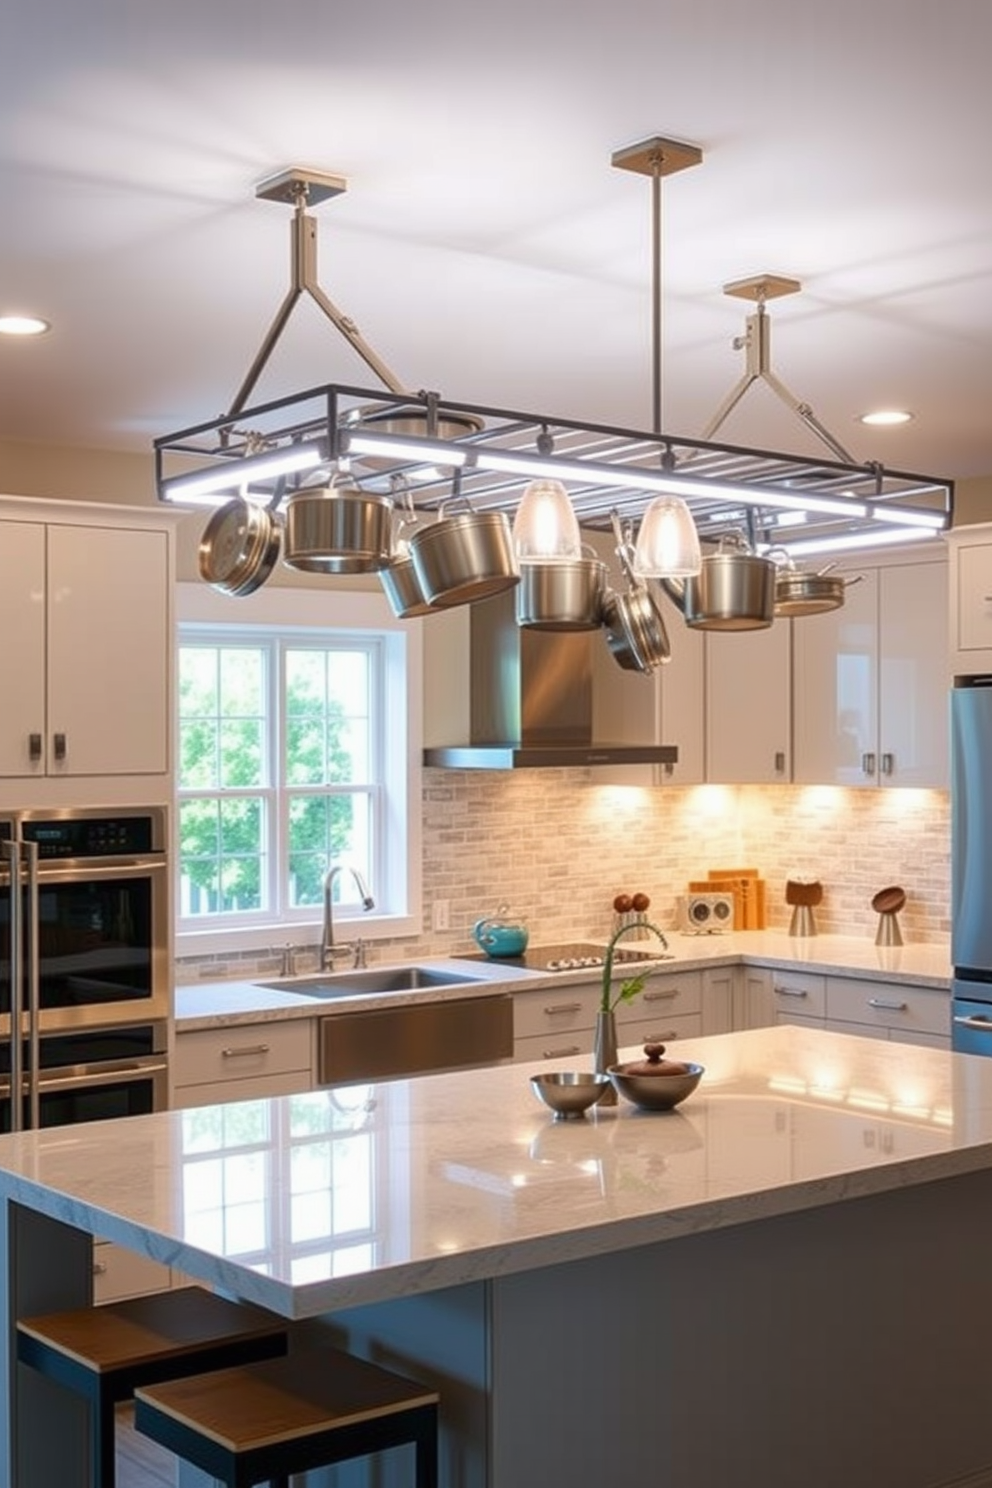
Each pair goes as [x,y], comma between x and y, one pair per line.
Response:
[288,610]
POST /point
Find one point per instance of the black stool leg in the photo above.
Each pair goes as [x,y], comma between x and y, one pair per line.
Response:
[104,1444]
[425,1446]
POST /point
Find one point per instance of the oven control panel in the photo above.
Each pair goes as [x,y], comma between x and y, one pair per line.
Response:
[79,836]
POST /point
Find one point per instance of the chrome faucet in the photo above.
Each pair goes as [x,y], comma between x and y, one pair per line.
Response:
[328,949]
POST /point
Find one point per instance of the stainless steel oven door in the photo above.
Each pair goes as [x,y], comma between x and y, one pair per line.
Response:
[92,946]
[68,1086]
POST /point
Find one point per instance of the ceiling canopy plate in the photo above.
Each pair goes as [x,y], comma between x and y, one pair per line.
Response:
[289,185]
[664,155]
[761,287]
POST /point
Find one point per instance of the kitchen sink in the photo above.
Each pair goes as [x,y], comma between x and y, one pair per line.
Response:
[375,979]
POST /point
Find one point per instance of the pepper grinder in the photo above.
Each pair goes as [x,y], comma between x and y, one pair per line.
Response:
[803,894]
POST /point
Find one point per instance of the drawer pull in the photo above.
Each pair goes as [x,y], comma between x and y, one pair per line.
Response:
[660,994]
[560,1053]
[890,1004]
[244,1051]
[99,1268]
[557,1008]
[791,992]
[981,1025]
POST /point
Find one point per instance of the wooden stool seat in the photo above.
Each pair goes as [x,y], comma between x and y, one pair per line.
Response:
[307,1410]
[103,1353]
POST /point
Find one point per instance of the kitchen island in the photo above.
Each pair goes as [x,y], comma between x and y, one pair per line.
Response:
[782,1282]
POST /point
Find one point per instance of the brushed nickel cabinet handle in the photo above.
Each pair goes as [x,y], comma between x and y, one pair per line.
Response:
[888,763]
[890,1004]
[243,1052]
[868,764]
[661,994]
[780,762]
[58,743]
[555,1009]
[34,747]
[791,992]
[560,1053]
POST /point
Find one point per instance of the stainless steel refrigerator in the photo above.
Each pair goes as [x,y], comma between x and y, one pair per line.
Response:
[971,865]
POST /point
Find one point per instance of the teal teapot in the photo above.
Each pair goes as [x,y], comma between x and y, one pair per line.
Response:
[501,934]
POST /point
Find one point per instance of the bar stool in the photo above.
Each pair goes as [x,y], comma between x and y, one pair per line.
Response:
[103,1353]
[310,1409]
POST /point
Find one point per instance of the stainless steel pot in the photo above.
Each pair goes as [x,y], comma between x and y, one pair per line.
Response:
[461,559]
[561,594]
[633,622]
[798,593]
[402,587]
[336,530]
[239,547]
[734,590]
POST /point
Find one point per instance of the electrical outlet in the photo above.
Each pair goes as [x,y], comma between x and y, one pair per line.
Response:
[441,918]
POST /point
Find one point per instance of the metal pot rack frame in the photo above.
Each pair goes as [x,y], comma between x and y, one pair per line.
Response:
[618,459]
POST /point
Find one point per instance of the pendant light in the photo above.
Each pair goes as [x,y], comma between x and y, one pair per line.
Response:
[545,527]
[667,544]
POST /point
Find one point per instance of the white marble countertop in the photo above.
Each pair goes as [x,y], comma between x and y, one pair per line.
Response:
[216,1004]
[335,1198]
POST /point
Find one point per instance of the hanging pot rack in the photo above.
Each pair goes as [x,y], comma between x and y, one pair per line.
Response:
[418,439]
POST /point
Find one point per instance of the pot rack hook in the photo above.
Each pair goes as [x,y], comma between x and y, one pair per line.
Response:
[298,188]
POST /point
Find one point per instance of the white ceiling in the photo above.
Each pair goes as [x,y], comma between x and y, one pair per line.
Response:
[486,247]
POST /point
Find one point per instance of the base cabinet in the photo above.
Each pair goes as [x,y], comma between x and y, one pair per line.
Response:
[246,1061]
[841,1004]
[120,1273]
[559,1022]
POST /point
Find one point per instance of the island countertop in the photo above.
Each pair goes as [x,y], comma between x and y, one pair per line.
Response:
[335,1198]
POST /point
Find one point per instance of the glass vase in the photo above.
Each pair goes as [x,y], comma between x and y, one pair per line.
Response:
[605,1053]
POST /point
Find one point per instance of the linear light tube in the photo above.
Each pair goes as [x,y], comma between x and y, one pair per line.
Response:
[394,446]
[201,484]
[936,521]
[846,541]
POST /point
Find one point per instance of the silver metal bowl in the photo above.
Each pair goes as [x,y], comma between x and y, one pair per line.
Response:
[655,1092]
[569,1092]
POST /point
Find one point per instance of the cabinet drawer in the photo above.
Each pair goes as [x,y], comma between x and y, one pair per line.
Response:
[663,1028]
[671,995]
[887,1005]
[243,1052]
[555,1010]
[800,994]
[119,1273]
[540,1046]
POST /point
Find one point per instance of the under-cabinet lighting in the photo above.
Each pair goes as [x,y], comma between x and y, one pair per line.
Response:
[203,487]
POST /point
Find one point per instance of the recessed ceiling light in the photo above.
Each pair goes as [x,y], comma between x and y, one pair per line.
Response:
[887,416]
[23,325]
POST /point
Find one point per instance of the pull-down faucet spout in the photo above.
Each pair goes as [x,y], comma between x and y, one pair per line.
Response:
[328,949]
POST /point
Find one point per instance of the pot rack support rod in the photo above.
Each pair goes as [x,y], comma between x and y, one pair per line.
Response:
[757,345]
[299,187]
[656,157]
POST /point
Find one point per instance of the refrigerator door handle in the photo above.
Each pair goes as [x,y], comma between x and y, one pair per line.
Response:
[33,968]
[12,853]
[983,1024]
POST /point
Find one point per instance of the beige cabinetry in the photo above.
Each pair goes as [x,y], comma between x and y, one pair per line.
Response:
[120,1273]
[843,1004]
[870,682]
[970,608]
[244,1061]
[85,665]
[748,706]
[558,1022]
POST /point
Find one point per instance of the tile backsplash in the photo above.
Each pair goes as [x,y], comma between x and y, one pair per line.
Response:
[557,848]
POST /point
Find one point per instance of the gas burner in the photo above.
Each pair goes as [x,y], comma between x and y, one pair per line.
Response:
[570,963]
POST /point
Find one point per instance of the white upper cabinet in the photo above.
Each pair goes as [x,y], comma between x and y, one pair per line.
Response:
[870,682]
[85,665]
[971,600]
[748,706]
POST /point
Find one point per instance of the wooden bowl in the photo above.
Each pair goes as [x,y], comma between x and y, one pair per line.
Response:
[890,900]
[803,893]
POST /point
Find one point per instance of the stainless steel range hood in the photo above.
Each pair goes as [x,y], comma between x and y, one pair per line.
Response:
[531,700]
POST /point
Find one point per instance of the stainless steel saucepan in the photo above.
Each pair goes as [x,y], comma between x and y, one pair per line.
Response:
[337,530]
[632,621]
[459,559]
[734,590]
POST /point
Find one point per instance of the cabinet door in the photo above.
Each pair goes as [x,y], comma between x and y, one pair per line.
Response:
[681,709]
[835,687]
[748,706]
[109,650]
[913,704]
[22,648]
[972,616]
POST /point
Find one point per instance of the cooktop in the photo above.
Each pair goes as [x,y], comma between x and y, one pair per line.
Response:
[571,956]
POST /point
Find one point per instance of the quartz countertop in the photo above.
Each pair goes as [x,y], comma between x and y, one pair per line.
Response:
[207,1004]
[369,1193]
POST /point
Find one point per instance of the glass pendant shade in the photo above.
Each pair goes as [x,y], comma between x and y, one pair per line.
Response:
[667,543]
[545,526]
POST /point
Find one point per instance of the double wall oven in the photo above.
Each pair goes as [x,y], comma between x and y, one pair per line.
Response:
[84,966]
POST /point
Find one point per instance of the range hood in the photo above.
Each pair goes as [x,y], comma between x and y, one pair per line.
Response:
[531,700]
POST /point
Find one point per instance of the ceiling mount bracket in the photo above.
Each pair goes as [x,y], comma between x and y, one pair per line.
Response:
[299,188]
[756,344]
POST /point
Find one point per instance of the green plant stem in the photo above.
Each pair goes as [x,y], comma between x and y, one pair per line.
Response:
[634,985]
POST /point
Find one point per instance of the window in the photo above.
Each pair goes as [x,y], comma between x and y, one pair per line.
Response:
[292,755]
